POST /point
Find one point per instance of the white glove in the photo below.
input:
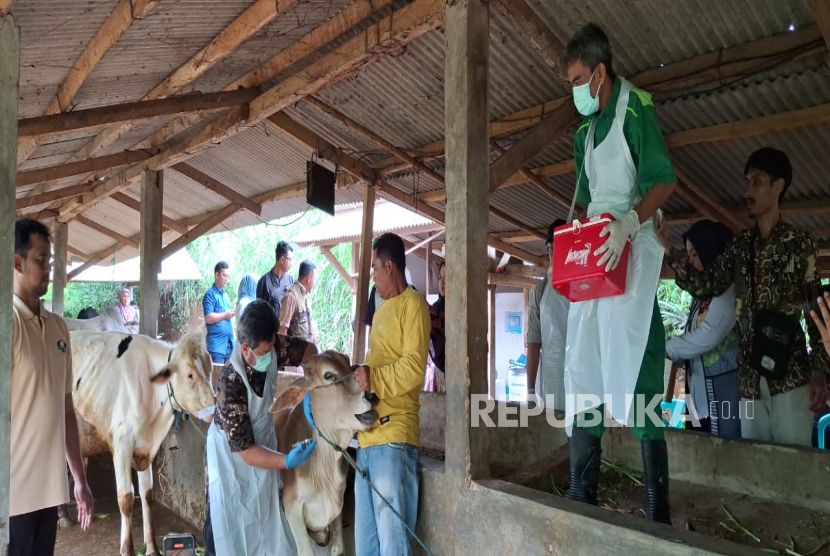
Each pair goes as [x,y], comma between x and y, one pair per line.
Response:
[618,233]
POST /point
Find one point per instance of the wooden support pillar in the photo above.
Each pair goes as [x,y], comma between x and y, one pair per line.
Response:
[9,79]
[359,349]
[468,194]
[59,248]
[152,195]
[430,260]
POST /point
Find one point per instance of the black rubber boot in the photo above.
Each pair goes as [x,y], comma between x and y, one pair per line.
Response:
[656,471]
[585,451]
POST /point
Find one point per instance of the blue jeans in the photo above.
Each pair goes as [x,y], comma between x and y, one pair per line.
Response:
[394,470]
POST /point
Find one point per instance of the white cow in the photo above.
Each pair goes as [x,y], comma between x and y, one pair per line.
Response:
[313,493]
[120,389]
[110,320]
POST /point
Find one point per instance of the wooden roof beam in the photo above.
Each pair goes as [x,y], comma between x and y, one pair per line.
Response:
[210,222]
[29,201]
[821,13]
[134,204]
[314,41]
[534,29]
[361,171]
[664,81]
[241,29]
[117,22]
[46,127]
[99,256]
[218,187]
[528,174]
[143,8]
[351,282]
[51,174]
[101,229]
[383,38]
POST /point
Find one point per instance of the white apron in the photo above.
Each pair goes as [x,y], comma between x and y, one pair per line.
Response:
[553,321]
[245,503]
[607,337]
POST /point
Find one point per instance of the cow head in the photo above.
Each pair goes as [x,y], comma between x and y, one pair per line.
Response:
[340,405]
[189,373]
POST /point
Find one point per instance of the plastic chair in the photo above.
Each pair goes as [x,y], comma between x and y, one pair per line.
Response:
[823,423]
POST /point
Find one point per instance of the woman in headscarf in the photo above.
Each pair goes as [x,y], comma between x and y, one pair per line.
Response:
[245,294]
[709,346]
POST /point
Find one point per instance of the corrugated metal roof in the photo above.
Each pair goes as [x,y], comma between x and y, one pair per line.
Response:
[347,223]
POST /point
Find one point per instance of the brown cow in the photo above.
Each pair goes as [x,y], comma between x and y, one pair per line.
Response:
[120,390]
[313,493]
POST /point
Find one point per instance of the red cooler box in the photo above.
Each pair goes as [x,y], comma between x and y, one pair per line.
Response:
[575,271]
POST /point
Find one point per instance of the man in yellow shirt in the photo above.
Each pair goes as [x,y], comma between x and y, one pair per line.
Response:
[394,370]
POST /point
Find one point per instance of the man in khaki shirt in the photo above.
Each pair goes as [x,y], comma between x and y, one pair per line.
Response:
[295,316]
[44,430]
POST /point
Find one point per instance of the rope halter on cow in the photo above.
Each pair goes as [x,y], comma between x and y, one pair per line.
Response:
[364,475]
[179,412]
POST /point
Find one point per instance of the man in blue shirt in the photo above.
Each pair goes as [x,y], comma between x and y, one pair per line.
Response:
[218,316]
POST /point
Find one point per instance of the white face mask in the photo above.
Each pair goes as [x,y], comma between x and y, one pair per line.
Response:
[585,103]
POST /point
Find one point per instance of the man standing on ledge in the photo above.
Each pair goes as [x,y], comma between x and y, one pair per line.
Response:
[616,345]
[394,370]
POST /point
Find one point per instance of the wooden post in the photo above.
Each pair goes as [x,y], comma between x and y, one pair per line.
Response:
[152,195]
[430,260]
[61,237]
[468,195]
[9,79]
[359,350]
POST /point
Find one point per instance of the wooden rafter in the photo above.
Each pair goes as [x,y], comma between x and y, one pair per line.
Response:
[107,35]
[101,229]
[218,187]
[534,30]
[314,41]
[30,201]
[134,204]
[424,242]
[279,194]
[326,251]
[99,256]
[248,24]
[392,32]
[199,230]
[143,8]
[45,127]
[361,171]
[672,79]
[51,174]
[821,13]
[528,174]
[704,203]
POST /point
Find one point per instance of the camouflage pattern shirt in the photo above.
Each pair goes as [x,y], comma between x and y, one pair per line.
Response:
[786,272]
[231,412]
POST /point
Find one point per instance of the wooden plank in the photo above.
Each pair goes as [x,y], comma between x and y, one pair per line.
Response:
[107,35]
[424,242]
[820,9]
[55,195]
[518,223]
[101,229]
[279,194]
[498,279]
[50,174]
[97,258]
[528,174]
[166,221]
[60,249]
[55,125]
[152,204]
[361,171]
[670,80]
[218,187]
[313,42]
[143,8]
[383,38]
[526,271]
[531,144]
[9,94]
[534,30]
[199,230]
[241,29]
[366,235]
[326,251]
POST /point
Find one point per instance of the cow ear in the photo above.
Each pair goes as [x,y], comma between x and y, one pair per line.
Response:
[163,375]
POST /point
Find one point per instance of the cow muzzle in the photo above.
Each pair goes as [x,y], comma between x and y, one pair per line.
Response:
[368,417]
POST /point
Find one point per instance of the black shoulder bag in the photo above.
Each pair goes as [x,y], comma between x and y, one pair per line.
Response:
[775,334]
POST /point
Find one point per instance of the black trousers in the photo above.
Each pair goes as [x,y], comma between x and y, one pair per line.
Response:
[33,534]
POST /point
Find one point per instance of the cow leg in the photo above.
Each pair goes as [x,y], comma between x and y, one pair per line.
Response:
[337,547]
[145,490]
[124,487]
[294,515]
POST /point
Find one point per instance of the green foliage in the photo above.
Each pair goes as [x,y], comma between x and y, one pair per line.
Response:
[251,251]
[674,306]
[80,295]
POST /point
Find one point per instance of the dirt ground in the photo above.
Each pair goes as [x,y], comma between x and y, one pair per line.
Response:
[104,535]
